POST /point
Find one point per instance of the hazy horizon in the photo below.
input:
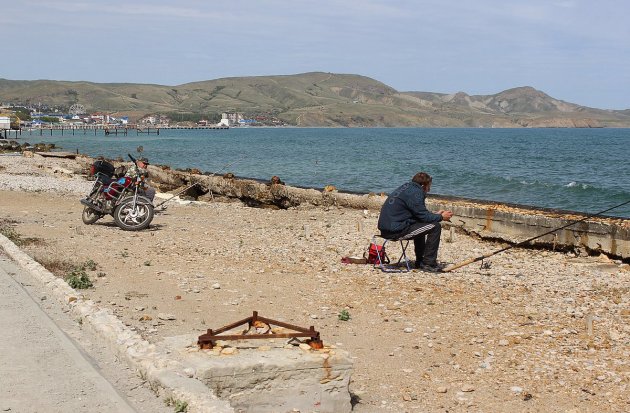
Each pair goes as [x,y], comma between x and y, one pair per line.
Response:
[573,50]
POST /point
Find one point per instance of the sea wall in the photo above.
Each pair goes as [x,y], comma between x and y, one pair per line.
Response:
[509,223]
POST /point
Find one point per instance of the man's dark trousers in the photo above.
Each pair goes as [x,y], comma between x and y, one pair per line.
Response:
[426,243]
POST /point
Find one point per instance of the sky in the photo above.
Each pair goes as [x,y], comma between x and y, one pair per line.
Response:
[573,50]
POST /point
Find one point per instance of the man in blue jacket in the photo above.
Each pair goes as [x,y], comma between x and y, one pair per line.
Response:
[405,213]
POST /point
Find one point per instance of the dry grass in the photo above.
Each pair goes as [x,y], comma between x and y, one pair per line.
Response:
[59,267]
[7,229]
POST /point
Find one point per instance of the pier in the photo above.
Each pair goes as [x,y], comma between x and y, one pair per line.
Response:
[102,129]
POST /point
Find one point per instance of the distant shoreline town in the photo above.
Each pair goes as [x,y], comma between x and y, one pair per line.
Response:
[22,117]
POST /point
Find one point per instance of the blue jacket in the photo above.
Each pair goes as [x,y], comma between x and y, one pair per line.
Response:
[404,207]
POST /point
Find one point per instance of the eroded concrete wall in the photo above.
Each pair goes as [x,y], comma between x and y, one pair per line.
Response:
[488,220]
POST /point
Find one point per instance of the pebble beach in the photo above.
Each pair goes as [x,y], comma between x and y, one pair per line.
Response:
[531,330]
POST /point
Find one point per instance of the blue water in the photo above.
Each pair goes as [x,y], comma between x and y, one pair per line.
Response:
[586,170]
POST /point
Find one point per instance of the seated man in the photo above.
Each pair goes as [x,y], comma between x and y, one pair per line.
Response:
[142,164]
[405,213]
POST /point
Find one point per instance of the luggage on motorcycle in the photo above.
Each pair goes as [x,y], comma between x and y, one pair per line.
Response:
[102,167]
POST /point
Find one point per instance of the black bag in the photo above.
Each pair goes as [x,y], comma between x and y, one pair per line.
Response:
[102,167]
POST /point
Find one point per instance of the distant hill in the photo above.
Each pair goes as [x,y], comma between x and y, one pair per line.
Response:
[318,99]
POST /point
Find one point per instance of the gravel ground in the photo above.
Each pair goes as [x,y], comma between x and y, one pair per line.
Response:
[531,331]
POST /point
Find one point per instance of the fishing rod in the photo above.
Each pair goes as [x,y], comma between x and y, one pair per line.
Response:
[490,254]
[177,194]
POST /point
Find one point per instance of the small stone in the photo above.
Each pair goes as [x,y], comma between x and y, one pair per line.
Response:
[178,297]
[228,351]
[467,388]
[189,371]
[164,316]
[441,389]
[516,389]
[305,347]
[216,286]
[408,330]
[72,299]
[503,342]
[139,308]
[146,317]
[496,300]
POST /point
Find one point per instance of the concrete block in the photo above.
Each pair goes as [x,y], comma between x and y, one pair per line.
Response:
[277,379]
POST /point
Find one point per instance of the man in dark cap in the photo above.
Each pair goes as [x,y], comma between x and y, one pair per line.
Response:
[405,213]
[142,164]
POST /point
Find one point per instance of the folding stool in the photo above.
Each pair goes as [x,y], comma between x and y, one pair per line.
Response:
[404,243]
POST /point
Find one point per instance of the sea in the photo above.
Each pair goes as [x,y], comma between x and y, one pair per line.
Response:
[583,170]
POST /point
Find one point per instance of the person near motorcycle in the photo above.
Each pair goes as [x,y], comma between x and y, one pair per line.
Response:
[142,164]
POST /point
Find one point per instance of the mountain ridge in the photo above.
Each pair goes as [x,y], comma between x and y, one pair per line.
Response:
[318,99]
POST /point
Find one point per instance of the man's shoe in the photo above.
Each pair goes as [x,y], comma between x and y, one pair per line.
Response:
[431,267]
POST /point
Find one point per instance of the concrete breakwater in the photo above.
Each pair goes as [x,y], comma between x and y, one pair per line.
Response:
[509,223]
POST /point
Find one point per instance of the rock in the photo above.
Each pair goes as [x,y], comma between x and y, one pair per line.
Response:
[467,388]
[146,318]
[216,286]
[305,347]
[503,342]
[164,316]
[408,330]
[441,389]
[516,389]
[228,351]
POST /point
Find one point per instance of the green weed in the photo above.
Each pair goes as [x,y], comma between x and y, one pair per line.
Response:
[90,265]
[78,279]
[179,406]
[344,315]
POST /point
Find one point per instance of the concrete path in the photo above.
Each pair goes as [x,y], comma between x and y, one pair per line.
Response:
[41,368]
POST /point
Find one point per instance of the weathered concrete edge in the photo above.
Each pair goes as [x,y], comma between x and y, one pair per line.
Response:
[490,221]
[494,221]
[139,354]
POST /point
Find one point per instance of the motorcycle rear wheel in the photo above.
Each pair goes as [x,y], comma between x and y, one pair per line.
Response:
[132,217]
[90,216]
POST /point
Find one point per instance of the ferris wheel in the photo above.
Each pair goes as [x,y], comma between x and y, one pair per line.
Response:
[77,109]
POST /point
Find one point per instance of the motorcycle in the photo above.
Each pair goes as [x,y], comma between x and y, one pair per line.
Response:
[122,197]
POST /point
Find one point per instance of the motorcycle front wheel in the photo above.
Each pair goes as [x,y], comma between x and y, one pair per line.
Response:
[133,215]
[90,216]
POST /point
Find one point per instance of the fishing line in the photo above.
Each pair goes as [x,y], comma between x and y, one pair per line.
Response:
[490,254]
[197,183]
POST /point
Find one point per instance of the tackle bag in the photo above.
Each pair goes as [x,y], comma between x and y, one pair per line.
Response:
[102,167]
[374,252]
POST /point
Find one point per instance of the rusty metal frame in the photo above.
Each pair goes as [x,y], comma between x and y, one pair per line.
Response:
[208,340]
